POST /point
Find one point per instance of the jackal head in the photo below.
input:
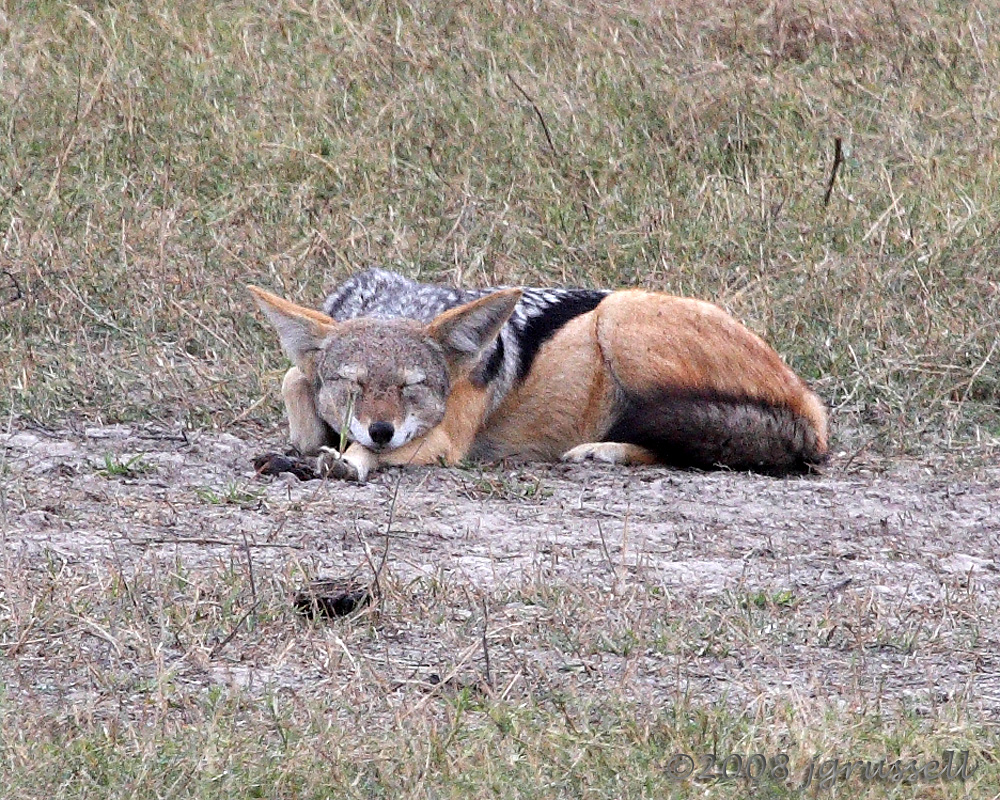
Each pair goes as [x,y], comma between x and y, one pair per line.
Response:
[385,382]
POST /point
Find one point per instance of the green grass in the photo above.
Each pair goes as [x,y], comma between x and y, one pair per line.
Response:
[233,494]
[169,677]
[112,467]
[465,748]
[154,725]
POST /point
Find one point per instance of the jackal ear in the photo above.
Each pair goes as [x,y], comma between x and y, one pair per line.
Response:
[301,330]
[466,331]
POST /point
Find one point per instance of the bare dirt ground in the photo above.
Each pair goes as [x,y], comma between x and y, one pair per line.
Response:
[862,588]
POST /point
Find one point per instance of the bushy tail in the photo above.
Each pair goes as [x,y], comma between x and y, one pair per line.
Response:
[708,431]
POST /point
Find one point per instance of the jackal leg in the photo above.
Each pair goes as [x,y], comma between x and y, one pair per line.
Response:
[610,453]
[448,442]
[357,462]
[307,431]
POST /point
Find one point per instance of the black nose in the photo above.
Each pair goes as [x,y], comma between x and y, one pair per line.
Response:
[381,432]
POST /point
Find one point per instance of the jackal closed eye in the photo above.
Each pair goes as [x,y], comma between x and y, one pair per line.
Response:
[351,372]
[413,376]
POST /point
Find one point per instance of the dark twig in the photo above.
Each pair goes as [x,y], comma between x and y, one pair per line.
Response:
[377,570]
[541,119]
[210,542]
[218,648]
[838,159]
[253,583]
[857,453]
[486,645]
[604,547]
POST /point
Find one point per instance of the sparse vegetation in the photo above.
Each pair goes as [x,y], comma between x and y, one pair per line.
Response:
[232,494]
[783,598]
[516,486]
[130,467]
[157,156]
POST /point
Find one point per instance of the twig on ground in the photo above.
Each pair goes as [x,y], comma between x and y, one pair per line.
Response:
[541,119]
[253,583]
[218,648]
[838,159]
[203,541]
[486,647]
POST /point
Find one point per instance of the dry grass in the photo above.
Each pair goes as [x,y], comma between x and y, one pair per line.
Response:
[159,156]
[155,157]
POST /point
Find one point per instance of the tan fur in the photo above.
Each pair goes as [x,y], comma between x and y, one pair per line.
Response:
[566,399]
[646,342]
[452,440]
[678,363]
[307,432]
[697,346]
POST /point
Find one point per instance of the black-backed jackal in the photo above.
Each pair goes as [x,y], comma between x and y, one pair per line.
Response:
[417,374]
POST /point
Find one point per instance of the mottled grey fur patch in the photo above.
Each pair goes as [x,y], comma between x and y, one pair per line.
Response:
[382,294]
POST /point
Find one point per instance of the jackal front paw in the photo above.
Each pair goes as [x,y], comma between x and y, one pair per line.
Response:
[332,464]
